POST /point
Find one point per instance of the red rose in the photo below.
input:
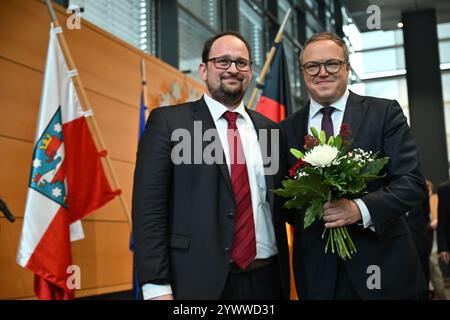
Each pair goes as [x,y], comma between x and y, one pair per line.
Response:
[297,166]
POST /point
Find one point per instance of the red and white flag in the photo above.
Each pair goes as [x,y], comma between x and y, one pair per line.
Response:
[66,183]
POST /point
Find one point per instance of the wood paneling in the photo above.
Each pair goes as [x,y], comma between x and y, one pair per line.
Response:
[103,257]
[15,164]
[20,95]
[118,124]
[15,282]
[24,31]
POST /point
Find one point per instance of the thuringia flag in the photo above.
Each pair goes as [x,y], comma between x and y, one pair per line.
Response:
[66,182]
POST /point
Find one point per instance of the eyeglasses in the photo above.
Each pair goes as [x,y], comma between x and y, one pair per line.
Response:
[224,63]
[331,66]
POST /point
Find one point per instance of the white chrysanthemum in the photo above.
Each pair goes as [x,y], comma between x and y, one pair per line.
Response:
[321,156]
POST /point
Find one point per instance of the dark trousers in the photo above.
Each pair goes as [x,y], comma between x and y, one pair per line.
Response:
[344,289]
[259,284]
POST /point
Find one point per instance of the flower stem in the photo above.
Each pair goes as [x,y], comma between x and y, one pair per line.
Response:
[345,252]
[332,241]
[328,240]
[350,242]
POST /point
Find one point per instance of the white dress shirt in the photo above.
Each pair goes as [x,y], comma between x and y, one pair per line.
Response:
[264,231]
[315,120]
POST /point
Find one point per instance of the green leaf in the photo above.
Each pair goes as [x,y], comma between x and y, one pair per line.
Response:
[323,137]
[372,168]
[282,192]
[296,153]
[296,203]
[308,187]
[314,132]
[331,141]
[313,213]
[356,186]
[338,142]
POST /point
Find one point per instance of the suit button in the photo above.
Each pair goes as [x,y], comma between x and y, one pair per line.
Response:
[227,250]
[231,215]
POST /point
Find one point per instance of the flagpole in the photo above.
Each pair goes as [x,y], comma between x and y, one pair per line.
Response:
[144,86]
[85,104]
[262,76]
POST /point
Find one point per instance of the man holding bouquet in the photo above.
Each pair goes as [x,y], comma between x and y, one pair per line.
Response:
[385,264]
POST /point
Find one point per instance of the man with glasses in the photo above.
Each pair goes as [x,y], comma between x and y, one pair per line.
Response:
[210,229]
[386,265]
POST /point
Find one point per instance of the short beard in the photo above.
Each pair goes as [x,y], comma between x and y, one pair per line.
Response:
[227,96]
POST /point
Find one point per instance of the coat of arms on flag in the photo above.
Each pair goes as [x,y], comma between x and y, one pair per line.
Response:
[47,173]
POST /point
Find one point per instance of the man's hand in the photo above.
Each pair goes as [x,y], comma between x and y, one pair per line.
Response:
[444,255]
[164,297]
[340,213]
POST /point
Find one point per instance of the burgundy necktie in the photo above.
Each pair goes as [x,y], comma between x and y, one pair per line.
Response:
[244,242]
[327,123]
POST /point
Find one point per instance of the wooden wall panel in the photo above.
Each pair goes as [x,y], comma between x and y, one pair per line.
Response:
[15,164]
[15,282]
[20,95]
[112,71]
[103,256]
[111,268]
[118,124]
[24,28]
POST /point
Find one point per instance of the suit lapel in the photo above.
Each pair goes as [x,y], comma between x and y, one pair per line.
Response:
[301,130]
[200,112]
[354,113]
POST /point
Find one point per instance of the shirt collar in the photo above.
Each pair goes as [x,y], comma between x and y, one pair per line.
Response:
[217,109]
[339,104]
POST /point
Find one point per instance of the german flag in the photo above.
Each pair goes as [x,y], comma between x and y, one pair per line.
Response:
[276,101]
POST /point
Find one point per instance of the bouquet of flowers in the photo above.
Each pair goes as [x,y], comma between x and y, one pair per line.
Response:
[329,171]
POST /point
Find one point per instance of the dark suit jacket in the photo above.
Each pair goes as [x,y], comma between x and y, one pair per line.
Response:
[183,215]
[443,229]
[376,125]
[418,219]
